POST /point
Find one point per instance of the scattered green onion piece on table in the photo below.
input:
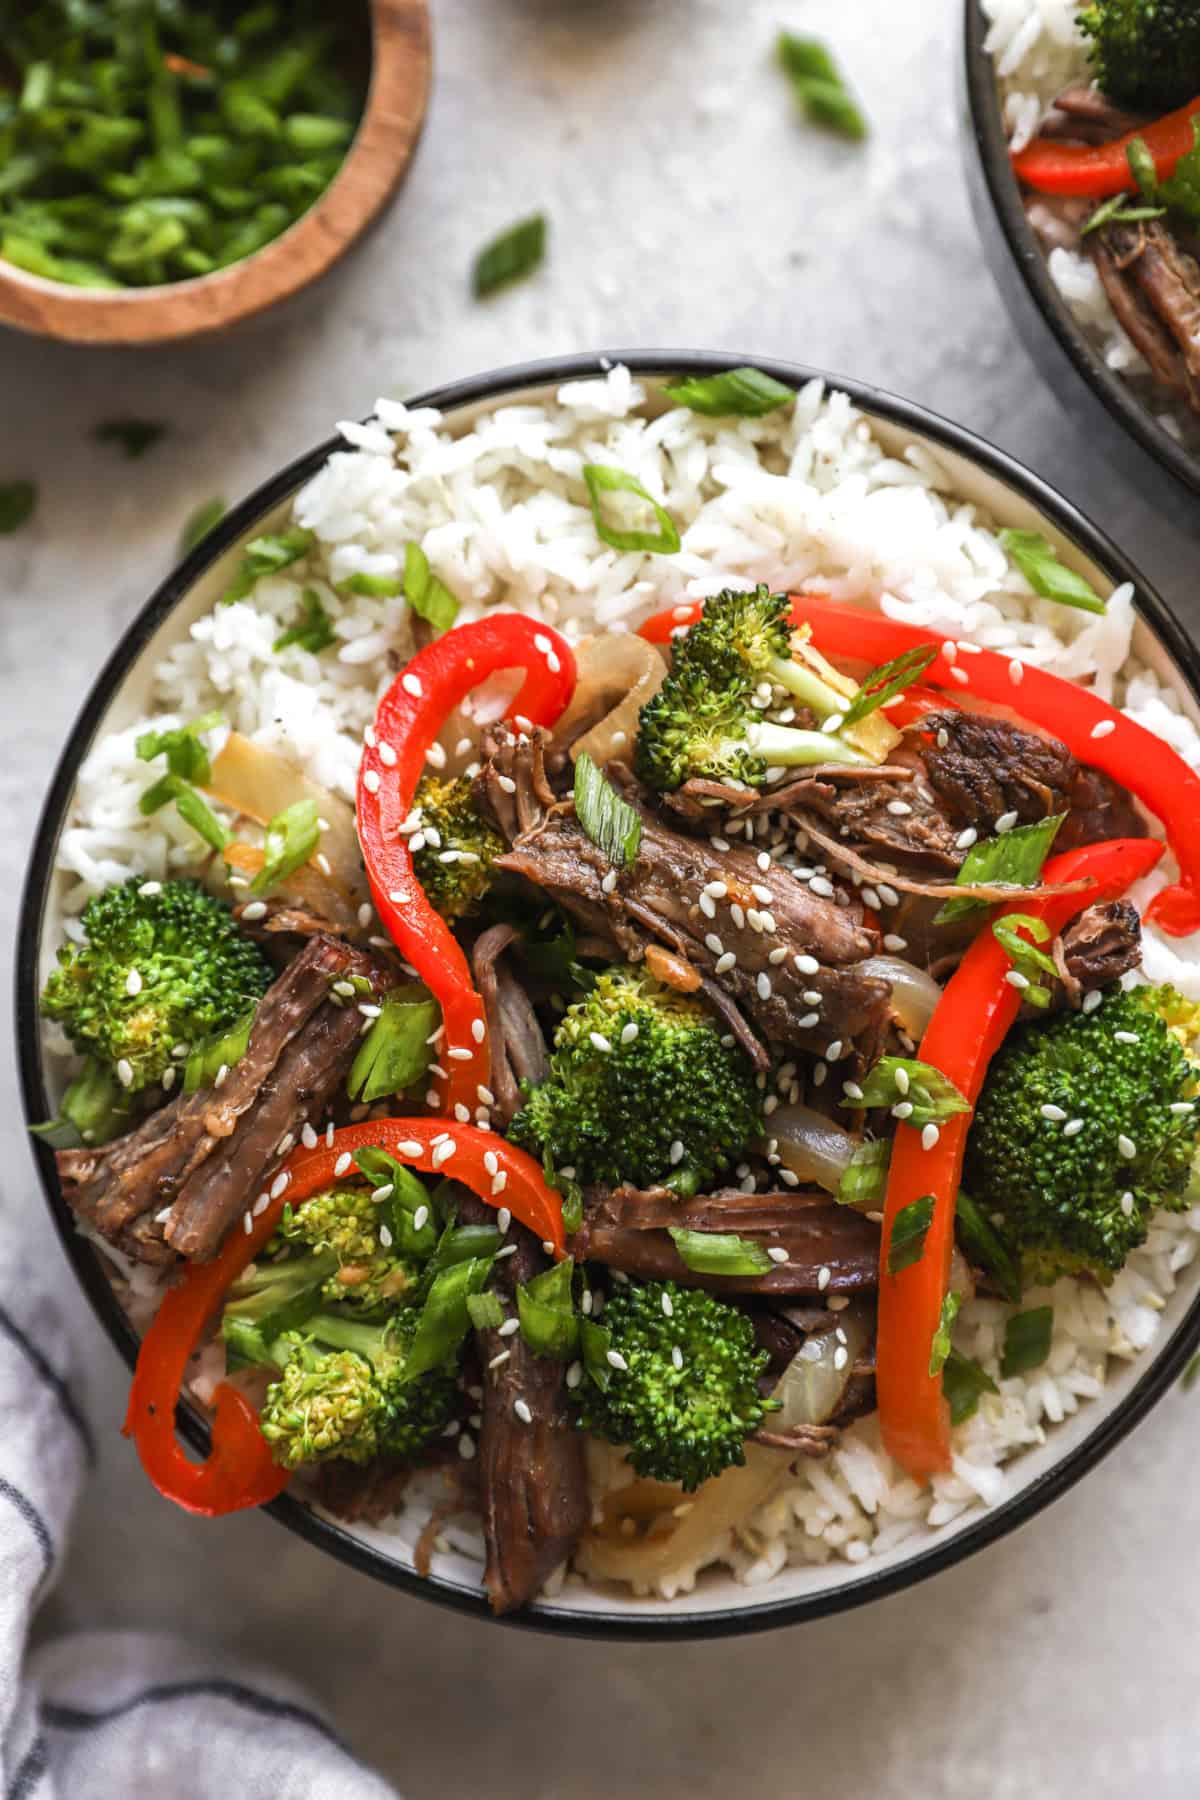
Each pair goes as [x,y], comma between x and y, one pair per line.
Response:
[292,836]
[720,1252]
[609,821]
[516,253]
[736,394]
[601,479]
[1010,859]
[429,598]
[909,1231]
[134,436]
[200,524]
[314,631]
[818,85]
[963,1383]
[939,1350]
[885,682]
[17,502]
[1038,562]
[1027,1340]
[395,1052]
[895,1080]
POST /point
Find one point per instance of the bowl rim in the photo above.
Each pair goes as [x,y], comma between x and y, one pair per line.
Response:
[491,387]
[986,122]
[377,160]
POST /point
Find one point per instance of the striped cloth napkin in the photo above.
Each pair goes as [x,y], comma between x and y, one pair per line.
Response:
[120,1715]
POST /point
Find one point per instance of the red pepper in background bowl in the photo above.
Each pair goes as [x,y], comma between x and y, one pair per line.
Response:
[239,1470]
[409,717]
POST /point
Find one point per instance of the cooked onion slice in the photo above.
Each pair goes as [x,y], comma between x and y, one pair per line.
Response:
[616,675]
[812,1385]
[811,1145]
[914,992]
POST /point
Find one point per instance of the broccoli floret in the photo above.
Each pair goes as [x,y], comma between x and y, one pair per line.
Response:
[707,719]
[640,1088]
[161,964]
[1145,53]
[1077,1200]
[341,1393]
[454,827]
[347,1225]
[682,1418]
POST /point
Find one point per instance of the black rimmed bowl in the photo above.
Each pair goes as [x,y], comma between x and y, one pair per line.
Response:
[1104,403]
[719,1605]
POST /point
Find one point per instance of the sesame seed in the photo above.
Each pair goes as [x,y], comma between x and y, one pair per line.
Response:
[598,1041]
[609,884]
[459,1053]
[1015,979]
[148,889]
[280,1184]
[629,1033]
[329,1135]
[383,1192]
[409,1147]
[852,1090]
[1127,1204]
[509,1328]
[478,1030]
[841,1357]
[371,780]
[716,890]
[253,910]
[676,1357]
[712,942]
[807,965]
[1104,728]
[777,955]
[819,1073]
[420,1218]
[125,1072]
[725,963]
[1091,1001]
[521,1408]
[820,886]
[1073,1127]
[789,1178]
[485,1095]
[369,1011]
[903,1109]
[762,985]
[411,685]
[675,1153]
[719,844]
[929,1137]
[261,1205]
[667,1305]
[168,1079]
[247,1223]
[385,1237]
[833,1051]
[899,809]
[834,722]
[1126,1037]
[133,983]
[615,1360]
[443,1152]
[943,738]
[346,989]
[902,1081]
[764,863]
[959,675]
[966,838]
[416,842]
[1055,1114]
[738,916]
[763,895]
[574,1374]
[508,1250]
[823,1277]
[1181,1106]
[1016,671]
[499,1183]
[777,1253]
[950,650]
[708,907]
[755,920]
[888,895]
[871,897]
[808,1021]
[1005,822]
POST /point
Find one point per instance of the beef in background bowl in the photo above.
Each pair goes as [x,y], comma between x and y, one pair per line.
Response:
[925,459]
[1060,282]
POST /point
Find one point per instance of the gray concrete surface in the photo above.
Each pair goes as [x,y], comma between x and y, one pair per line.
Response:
[688,207]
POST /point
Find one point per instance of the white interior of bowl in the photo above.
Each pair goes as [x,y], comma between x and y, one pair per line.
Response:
[718,1591]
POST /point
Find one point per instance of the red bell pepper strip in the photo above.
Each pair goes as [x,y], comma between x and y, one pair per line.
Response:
[239,1470]
[1097,170]
[661,627]
[410,715]
[969,1023]
[1094,732]
[916,703]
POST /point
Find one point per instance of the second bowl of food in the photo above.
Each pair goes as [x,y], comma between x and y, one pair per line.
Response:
[613,965]
[1086,159]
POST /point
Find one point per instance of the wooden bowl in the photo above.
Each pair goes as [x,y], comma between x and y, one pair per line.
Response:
[375,165]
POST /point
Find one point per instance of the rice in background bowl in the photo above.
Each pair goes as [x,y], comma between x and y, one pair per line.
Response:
[814,495]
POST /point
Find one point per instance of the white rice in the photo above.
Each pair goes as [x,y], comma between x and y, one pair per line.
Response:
[1039,50]
[805,496]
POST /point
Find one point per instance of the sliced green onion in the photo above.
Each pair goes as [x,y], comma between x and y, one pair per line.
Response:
[17,502]
[595,1341]
[904,1080]
[985,1245]
[1025,957]
[909,1232]
[267,556]
[546,1309]
[186,755]
[818,85]
[207,1060]
[571,1191]
[939,1349]
[396,1051]
[1038,562]
[1010,859]
[291,838]
[736,394]
[485,1311]
[963,1383]
[1117,210]
[720,1252]
[373,587]
[1027,1340]
[94,1110]
[407,1197]
[516,253]
[314,631]
[200,524]
[135,436]
[444,1320]
[608,820]
[864,1179]
[601,479]
[1142,168]
[429,598]
[884,683]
